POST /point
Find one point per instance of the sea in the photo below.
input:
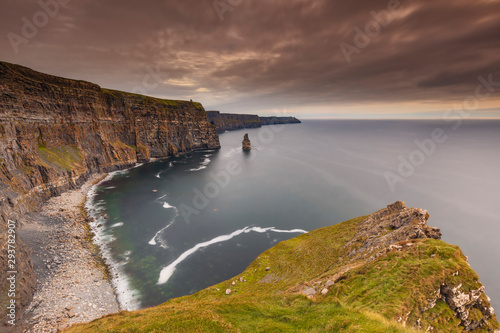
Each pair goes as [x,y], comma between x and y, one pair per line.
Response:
[176,226]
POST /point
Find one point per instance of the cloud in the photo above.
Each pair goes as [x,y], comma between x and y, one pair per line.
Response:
[268,54]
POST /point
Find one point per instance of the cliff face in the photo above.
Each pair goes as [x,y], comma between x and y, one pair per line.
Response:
[229,122]
[278,120]
[386,272]
[55,132]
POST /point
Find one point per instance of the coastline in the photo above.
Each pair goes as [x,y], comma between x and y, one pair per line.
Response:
[97,218]
[73,283]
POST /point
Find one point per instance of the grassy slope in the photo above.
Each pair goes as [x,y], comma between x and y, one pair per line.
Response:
[368,298]
[62,157]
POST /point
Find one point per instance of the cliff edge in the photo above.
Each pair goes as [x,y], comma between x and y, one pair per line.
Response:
[56,132]
[232,121]
[386,272]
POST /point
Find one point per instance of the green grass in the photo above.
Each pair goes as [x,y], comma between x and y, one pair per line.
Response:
[368,297]
[401,281]
[62,157]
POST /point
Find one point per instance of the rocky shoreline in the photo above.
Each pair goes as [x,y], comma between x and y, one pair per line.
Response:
[73,284]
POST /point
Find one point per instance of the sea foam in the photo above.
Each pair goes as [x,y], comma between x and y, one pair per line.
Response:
[167,272]
[203,165]
[126,295]
[163,243]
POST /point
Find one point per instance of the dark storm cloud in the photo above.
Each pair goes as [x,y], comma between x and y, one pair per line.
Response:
[264,54]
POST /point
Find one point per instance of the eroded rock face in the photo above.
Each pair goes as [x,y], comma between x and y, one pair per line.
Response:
[230,121]
[392,229]
[278,120]
[56,132]
[388,226]
[247,146]
[462,302]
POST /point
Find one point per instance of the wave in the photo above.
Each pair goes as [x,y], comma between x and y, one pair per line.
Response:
[170,165]
[232,151]
[203,165]
[116,225]
[167,272]
[163,243]
[126,295]
[167,205]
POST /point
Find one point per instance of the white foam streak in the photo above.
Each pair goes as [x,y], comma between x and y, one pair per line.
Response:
[163,196]
[153,240]
[232,151]
[126,295]
[163,243]
[167,272]
[167,205]
[202,166]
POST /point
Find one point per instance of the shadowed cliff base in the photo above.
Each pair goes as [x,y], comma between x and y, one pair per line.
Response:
[386,272]
[56,132]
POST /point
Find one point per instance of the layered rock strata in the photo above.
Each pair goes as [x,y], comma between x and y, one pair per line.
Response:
[56,132]
[246,144]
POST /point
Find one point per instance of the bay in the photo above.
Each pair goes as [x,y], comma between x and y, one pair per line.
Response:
[182,224]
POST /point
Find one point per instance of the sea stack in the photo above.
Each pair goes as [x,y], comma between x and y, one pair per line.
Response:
[247,146]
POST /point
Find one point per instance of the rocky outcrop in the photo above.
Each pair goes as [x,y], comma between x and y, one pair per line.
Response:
[278,120]
[56,132]
[394,229]
[247,146]
[463,302]
[383,229]
[229,122]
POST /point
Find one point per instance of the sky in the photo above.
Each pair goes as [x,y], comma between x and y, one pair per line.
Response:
[304,58]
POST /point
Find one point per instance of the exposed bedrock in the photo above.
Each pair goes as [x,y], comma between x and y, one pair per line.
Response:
[56,132]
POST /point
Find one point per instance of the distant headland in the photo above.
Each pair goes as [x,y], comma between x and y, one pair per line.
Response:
[232,121]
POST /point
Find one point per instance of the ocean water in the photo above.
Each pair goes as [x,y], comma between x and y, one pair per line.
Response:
[179,225]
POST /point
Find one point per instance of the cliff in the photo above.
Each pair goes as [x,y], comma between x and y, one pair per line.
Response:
[231,121]
[386,272]
[56,132]
[278,120]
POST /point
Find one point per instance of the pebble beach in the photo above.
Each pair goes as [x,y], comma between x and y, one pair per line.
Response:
[73,284]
